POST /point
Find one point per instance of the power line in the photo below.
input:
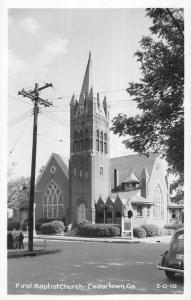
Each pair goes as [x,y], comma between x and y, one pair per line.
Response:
[18,138]
[20,118]
[110,103]
[101,92]
[21,100]
[57,118]
[53,119]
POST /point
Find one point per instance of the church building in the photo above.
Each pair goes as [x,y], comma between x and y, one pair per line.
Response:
[93,186]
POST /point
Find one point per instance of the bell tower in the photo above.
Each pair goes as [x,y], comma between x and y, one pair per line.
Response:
[89,164]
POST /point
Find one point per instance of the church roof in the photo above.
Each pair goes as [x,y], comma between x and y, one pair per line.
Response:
[133,163]
[133,197]
[87,84]
[136,199]
[61,160]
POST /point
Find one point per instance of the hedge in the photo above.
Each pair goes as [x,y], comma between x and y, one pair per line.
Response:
[26,224]
[99,230]
[151,229]
[139,232]
[52,227]
[85,222]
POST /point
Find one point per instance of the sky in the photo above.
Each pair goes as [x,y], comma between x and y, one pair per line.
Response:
[52,45]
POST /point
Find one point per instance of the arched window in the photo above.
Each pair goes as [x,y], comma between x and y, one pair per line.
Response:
[108,214]
[118,214]
[97,140]
[158,202]
[115,175]
[75,135]
[80,145]
[81,141]
[75,141]
[100,215]
[105,143]
[52,201]
[101,142]
[86,146]
[81,134]
[87,133]
[75,146]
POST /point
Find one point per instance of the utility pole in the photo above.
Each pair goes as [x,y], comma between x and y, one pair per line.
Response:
[34,96]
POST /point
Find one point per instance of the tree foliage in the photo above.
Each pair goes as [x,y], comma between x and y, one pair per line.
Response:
[14,189]
[15,186]
[159,94]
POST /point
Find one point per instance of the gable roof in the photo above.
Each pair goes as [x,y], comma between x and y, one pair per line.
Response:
[131,178]
[61,160]
[133,163]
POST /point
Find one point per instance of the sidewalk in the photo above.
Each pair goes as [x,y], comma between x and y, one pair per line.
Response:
[156,239]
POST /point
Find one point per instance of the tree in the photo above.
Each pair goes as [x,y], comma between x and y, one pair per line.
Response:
[15,187]
[41,169]
[159,94]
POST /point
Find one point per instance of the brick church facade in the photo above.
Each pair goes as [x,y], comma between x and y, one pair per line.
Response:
[93,186]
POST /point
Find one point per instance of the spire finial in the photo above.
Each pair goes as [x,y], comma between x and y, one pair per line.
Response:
[89,54]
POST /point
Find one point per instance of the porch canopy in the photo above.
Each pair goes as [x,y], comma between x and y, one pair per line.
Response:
[112,209]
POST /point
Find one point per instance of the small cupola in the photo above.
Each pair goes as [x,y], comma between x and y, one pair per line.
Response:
[131,182]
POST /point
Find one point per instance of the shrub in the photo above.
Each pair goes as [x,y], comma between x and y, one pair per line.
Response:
[12,240]
[12,224]
[25,224]
[85,222]
[139,232]
[9,240]
[38,226]
[99,230]
[151,229]
[162,231]
[52,227]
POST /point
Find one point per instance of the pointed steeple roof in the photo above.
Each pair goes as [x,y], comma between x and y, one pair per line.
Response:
[87,84]
[72,100]
[131,178]
[145,173]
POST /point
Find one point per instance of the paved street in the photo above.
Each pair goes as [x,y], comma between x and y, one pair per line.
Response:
[92,268]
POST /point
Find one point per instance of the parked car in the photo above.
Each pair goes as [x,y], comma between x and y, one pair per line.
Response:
[172,260]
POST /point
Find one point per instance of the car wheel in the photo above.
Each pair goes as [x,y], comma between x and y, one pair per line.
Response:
[170,274]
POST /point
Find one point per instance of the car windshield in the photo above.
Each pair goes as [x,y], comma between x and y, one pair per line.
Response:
[178,242]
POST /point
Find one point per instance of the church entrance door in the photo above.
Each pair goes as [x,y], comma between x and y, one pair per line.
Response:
[81,213]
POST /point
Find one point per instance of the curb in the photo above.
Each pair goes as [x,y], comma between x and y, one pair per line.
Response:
[158,239]
[32,253]
[54,238]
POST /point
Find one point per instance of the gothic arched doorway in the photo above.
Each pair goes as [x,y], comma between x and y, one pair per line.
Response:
[81,213]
